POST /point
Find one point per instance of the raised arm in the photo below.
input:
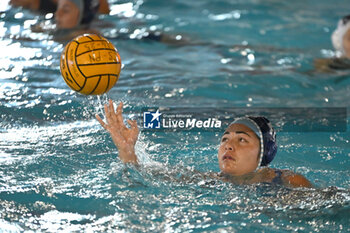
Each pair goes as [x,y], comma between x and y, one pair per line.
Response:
[123,137]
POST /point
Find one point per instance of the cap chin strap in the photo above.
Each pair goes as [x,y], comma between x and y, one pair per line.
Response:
[260,135]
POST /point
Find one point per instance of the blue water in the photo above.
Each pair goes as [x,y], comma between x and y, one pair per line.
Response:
[59,170]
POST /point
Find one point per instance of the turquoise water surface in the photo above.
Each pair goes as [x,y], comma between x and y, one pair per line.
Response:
[60,172]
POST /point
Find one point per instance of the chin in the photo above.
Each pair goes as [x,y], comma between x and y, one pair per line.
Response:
[228,171]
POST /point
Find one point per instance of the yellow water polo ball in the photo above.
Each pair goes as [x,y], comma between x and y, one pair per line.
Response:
[90,64]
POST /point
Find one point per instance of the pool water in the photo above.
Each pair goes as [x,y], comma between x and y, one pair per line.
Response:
[60,172]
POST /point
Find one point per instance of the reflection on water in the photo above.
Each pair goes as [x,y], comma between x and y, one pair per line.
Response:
[135,200]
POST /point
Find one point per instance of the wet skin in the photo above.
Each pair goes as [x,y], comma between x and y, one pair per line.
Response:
[239,150]
[346,43]
[67,14]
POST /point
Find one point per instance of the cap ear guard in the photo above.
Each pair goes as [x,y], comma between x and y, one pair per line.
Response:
[271,149]
[269,139]
[90,10]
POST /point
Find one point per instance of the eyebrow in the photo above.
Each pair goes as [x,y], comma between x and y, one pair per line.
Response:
[237,132]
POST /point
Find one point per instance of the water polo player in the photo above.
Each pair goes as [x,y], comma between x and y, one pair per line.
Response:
[75,13]
[341,43]
[341,37]
[50,6]
[73,18]
[247,146]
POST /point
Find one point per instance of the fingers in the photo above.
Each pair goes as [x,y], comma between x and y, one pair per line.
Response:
[119,115]
[101,121]
[106,110]
[115,117]
[110,113]
[111,106]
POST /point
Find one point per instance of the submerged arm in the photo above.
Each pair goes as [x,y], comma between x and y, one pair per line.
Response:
[124,138]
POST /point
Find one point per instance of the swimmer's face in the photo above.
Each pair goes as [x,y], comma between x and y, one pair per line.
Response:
[67,14]
[346,43]
[239,150]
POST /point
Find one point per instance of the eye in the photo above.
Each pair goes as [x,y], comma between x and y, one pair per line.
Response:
[224,139]
[242,139]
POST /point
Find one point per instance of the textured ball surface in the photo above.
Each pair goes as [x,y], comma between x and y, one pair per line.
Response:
[90,64]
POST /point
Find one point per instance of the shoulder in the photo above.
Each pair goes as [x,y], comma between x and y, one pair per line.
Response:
[294,180]
[283,177]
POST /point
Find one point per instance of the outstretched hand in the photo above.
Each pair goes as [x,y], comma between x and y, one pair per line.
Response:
[123,137]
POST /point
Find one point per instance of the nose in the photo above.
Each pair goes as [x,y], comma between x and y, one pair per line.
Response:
[229,146]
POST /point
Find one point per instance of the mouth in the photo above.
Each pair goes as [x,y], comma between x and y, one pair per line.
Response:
[228,157]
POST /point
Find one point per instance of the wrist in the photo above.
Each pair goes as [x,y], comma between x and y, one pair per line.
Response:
[128,155]
[126,150]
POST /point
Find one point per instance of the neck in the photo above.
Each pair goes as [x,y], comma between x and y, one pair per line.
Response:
[248,178]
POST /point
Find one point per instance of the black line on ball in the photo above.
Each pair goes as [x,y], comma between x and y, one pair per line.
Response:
[99,79]
[67,82]
[90,41]
[68,66]
[65,73]
[94,50]
[107,84]
[95,64]
[90,38]
[85,80]
[102,75]
[76,62]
